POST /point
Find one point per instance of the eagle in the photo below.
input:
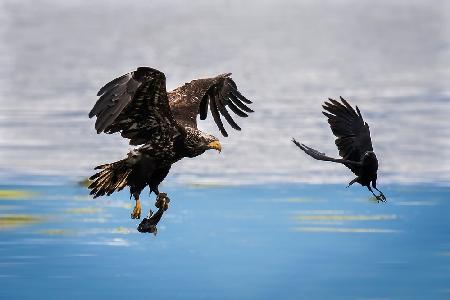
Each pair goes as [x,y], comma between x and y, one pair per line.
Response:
[163,126]
[353,141]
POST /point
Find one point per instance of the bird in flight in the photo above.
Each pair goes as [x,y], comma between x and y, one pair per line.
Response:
[354,144]
[163,124]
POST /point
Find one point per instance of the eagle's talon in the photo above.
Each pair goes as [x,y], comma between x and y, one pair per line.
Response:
[136,214]
[162,201]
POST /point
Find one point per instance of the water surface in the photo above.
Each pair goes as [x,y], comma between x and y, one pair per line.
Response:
[253,242]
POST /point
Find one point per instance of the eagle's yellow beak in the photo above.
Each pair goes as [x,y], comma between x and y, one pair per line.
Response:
[215,145]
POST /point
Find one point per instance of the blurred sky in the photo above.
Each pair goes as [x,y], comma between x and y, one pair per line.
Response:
[391,58]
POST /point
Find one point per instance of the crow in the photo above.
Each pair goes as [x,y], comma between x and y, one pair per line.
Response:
[354,144]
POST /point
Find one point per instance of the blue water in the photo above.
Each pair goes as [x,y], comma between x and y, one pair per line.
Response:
[251,242]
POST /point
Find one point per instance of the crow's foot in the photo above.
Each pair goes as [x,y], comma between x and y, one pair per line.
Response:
[381,197]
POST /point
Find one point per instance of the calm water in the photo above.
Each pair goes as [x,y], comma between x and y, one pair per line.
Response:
[253,242]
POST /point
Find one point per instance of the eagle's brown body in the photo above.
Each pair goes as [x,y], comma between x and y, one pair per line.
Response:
[163,124]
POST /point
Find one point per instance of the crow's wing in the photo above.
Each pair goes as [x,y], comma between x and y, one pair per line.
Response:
[321,156]
[353,134]
[220,93]
[136,105]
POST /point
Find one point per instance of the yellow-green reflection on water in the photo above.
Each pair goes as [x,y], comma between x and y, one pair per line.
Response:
[81,232]
[55,232]
[344,230]
[15,220]
[302,217]
[330,221]
[6,194]
[84,210]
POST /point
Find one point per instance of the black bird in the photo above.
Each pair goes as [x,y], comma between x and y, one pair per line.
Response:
[354,144]
[164,125]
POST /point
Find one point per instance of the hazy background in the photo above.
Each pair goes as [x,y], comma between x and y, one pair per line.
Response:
[391,58]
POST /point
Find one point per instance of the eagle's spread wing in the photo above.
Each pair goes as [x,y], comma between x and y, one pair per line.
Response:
[136,105]
[353,134]
[219,92]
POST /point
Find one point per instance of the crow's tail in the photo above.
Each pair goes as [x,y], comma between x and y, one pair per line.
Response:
[112,177]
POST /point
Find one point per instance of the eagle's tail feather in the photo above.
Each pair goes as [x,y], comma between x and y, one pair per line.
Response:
[112,177]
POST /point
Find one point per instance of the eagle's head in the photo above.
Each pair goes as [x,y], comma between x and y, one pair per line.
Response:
[197,142]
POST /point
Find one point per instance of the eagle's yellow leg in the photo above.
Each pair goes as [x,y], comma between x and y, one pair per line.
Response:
[136,214]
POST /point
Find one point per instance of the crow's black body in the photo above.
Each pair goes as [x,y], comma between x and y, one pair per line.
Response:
[353,141]
[163,124]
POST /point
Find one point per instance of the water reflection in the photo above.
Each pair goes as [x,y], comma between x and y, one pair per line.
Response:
[84,232]
[344,230]
[340,217]
[8,221]
[8,194]
[84,210]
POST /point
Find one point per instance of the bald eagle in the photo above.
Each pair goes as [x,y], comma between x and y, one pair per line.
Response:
[353,141]
[163,124]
